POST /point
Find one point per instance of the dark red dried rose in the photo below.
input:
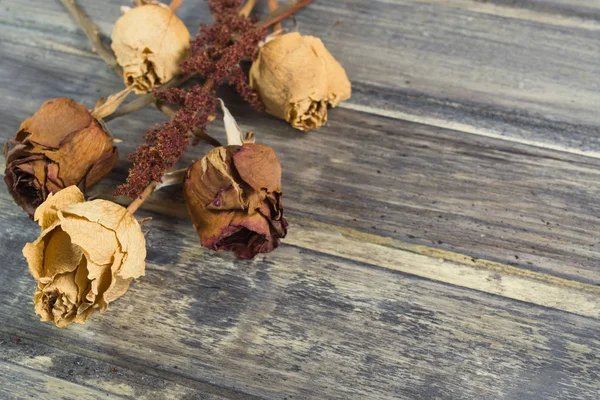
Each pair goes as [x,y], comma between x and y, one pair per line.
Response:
[233,195]
[59,146]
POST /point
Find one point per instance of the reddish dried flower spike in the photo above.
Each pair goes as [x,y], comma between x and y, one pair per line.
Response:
[240,82]
[215,56]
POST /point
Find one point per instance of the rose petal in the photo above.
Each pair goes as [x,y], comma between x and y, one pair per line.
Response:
[98,243]
[55,120]
[128,233]
[60,254]
[46,213]
[258,166]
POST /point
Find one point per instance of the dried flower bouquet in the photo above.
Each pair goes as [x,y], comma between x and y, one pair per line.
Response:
[89,252]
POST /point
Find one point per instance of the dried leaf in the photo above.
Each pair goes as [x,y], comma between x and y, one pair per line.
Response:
[232,130]
[104,109]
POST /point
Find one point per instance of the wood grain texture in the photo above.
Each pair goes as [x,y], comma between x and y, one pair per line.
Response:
[452,258]
[302,324]
[30,361]
[23,383]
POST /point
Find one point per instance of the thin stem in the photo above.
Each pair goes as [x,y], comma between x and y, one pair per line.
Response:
[287,9]
[197,133]
[175,4]
[148,98]
[134,205]
[247,8]
[91,31]
[272,8]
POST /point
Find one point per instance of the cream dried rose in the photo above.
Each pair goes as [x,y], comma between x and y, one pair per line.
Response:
[297,78]
[149,42]
[86,256]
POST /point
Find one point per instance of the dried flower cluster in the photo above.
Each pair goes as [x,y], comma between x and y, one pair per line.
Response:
[166,143]
[215,55]
[89,252]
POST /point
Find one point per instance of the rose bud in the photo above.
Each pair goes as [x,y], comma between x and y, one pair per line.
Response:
[149,42]
[233,195]
[61,145]
[86,256]
[297,78]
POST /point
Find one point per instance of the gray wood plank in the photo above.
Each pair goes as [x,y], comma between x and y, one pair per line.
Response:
[48,372]
[301,324]
[19,383]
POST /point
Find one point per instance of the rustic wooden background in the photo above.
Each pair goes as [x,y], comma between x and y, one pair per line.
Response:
[444,224]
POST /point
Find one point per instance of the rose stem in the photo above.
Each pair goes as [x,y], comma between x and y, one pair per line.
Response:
[282,12]
[286,9]
[135,204]
[175,4]
[91,31]
[247,8]
[272,8]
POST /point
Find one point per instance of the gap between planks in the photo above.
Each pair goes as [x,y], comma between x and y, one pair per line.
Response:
[516,12]
[458,126]
[42,386]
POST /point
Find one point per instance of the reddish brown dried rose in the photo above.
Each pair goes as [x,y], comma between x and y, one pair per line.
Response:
[233,195]
[59,146]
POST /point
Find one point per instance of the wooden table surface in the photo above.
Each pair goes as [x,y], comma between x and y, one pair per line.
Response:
[444,224]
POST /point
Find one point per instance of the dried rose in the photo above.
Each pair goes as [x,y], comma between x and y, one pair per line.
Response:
[297,78]
[149,42]
[233,195]
[61,145]
[86,256]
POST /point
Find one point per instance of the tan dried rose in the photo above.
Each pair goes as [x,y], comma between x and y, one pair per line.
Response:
[61,145]
[297,78]
[149,42]
[86,256]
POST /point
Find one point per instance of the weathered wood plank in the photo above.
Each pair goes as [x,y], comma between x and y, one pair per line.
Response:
[522,70]
[23,383]
[87,371]
[301,324]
